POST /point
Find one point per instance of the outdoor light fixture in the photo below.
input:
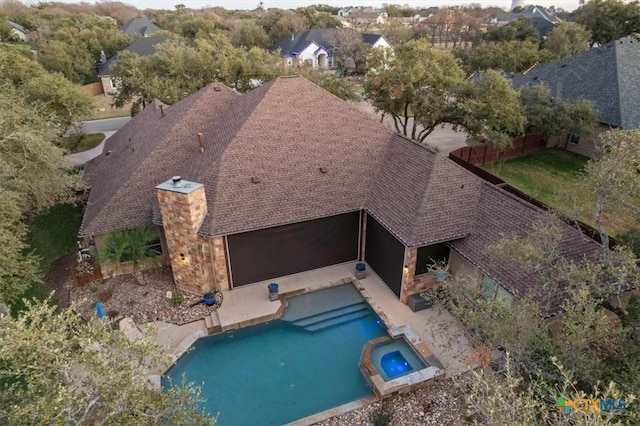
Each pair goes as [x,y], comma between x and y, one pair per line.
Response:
[405,270]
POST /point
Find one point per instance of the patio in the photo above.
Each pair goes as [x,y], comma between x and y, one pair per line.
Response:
[250,304]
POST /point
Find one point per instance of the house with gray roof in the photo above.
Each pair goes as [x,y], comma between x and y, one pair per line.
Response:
[247,188]
[608,75]
[139,26]
[141,47]
[17,31]
[543,20]
[316,49]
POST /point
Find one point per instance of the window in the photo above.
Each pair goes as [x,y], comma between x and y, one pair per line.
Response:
[491,290]
[574,139]
[115,84]
[427,255]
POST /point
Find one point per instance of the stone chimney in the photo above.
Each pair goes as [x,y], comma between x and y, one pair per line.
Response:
[183,207]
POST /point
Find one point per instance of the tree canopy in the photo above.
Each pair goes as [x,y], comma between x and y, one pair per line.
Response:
[422,88]
[64,102]
[608,20]
[56,368]
[568,39]
[555,117]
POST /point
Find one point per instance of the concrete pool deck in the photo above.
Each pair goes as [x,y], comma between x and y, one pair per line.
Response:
[249,304]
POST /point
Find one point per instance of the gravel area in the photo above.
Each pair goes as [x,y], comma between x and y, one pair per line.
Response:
[441,403]
[122,296]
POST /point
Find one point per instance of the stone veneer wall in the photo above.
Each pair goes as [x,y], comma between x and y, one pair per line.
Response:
[218,261]
[182,215]
[410,283]
[363,235]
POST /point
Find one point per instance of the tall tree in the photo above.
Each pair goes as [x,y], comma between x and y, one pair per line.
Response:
[509,56]
[350,49]
[614,178]
[34,177]
[248,34]
[177,69]
[555,117]
[567,39]
[522,29]
[422,88]
[75,45]
[58,369]
[608,20]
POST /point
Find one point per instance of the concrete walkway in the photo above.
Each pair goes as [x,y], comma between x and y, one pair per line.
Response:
[80,158]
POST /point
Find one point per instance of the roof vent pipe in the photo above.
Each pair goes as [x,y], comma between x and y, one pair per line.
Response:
[201,141]
[177,181]
[161,110]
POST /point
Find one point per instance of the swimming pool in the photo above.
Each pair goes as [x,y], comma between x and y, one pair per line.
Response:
[277,372]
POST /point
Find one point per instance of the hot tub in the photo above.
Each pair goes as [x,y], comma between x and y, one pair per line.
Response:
[395,358]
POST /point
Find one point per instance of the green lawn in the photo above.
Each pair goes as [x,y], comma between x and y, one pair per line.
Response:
[51,234]
[551,176]
[79,143]
[543,175]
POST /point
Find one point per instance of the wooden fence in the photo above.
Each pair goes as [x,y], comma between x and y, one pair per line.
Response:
[485,153]
[93,89]
[587,230]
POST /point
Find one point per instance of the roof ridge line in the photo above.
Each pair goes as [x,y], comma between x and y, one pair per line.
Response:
[619,100]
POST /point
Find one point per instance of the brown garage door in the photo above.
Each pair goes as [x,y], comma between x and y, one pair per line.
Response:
[289,249]
[385,254]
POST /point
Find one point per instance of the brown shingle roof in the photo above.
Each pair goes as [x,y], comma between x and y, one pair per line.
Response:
[283,133]
[499,214]
[437,197]
[146,151]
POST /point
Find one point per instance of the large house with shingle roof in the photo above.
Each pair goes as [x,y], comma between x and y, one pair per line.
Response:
[315,48]
[265,191]
[608,75]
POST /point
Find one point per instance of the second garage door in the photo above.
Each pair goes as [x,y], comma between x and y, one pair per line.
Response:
[289,249]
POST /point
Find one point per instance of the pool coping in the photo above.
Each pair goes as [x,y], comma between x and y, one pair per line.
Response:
[381,389]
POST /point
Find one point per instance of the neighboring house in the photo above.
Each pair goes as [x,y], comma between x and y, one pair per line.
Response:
[289,178]
[314,47]
[17,31]
[608,75]
[141,47]
[140,26]
[543,20]
[410,21]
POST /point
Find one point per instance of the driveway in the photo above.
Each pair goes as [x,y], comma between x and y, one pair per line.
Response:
[108,126]
[442,139]
[80,158]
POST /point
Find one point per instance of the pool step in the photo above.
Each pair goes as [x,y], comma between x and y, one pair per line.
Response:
[332,317]
[212,322]
[336,321]
[330,314]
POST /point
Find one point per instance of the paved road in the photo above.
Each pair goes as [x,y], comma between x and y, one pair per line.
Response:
[108,126]
[105,125]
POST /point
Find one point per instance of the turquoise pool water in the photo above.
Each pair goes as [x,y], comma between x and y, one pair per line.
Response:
[277,372]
